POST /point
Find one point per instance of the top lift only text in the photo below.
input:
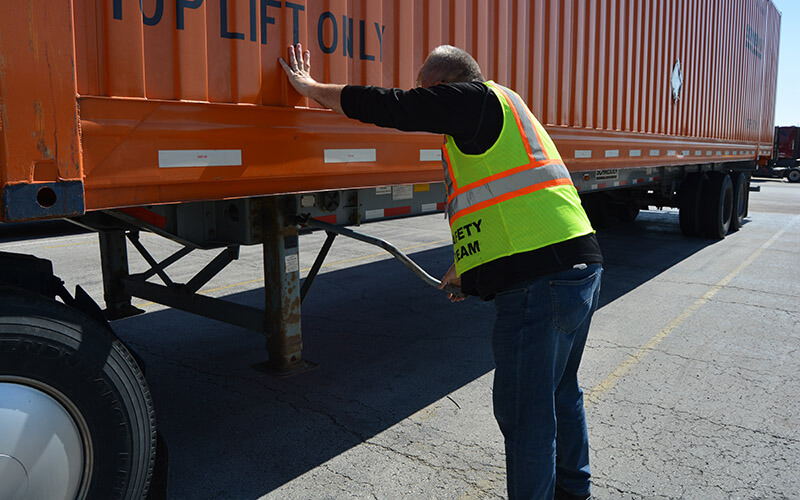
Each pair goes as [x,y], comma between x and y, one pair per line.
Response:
[339,38]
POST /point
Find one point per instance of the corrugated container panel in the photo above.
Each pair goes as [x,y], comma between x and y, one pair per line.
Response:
[196,75]
[770,72]
[603,65]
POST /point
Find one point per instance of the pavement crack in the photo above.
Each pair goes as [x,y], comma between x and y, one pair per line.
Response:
[694,416]
[770,308]
[727,287]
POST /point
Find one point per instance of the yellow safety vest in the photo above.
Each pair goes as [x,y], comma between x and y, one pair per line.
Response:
[515,197]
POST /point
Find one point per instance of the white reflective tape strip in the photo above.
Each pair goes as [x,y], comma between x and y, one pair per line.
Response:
[178,158]
[429,207]
[655,152]
[612,153]
[636,152]
[583,153]
[430,155]
[373,214]
[349,155]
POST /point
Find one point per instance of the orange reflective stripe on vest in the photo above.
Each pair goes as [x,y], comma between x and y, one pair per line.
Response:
[540,173]
[525,124]
[514,197]
[518,184]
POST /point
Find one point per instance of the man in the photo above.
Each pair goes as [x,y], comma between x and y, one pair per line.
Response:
[520,237]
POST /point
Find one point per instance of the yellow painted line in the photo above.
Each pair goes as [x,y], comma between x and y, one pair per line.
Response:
[596,392]
[234,285]
[335,263]
[62,245]
[33,243]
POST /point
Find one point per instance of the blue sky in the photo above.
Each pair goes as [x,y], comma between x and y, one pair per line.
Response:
[787,111]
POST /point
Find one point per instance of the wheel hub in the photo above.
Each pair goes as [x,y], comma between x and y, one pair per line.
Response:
[44,445]
[13,478]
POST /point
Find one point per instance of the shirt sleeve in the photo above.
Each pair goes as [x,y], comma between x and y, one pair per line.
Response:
[454,109]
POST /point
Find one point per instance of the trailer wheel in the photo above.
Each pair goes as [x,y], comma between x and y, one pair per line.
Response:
[597,210]
[628,212]
[75,412]
[740,191]
[793,175]
[690,196]
[718,206]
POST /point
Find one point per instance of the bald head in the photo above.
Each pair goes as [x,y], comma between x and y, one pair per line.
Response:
[448,64]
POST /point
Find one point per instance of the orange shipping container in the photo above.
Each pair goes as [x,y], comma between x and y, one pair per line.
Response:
[113,103]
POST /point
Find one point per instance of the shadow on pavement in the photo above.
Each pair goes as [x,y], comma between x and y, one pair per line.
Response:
[18,231]
[387,344]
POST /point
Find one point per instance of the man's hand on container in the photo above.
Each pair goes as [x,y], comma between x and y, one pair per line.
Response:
[451,278]
[298,69]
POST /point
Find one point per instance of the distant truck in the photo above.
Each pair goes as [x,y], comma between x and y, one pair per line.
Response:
[785,160]
[174,117]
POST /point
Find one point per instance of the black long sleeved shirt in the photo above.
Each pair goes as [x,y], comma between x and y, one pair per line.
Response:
[474,118]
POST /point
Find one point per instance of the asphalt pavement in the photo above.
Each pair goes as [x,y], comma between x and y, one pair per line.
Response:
[690,371]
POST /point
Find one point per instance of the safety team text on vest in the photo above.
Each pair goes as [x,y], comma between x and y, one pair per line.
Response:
[515,197]
[467,231]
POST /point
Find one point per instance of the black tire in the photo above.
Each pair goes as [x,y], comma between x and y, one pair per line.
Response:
[53,351]
[740,191]
[627,212]
[597,209]
[793,175]
[689,203]
[717,205]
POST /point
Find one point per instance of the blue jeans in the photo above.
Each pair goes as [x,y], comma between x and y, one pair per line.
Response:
[539,335]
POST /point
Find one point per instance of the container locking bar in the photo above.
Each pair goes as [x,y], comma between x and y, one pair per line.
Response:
[308,221]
